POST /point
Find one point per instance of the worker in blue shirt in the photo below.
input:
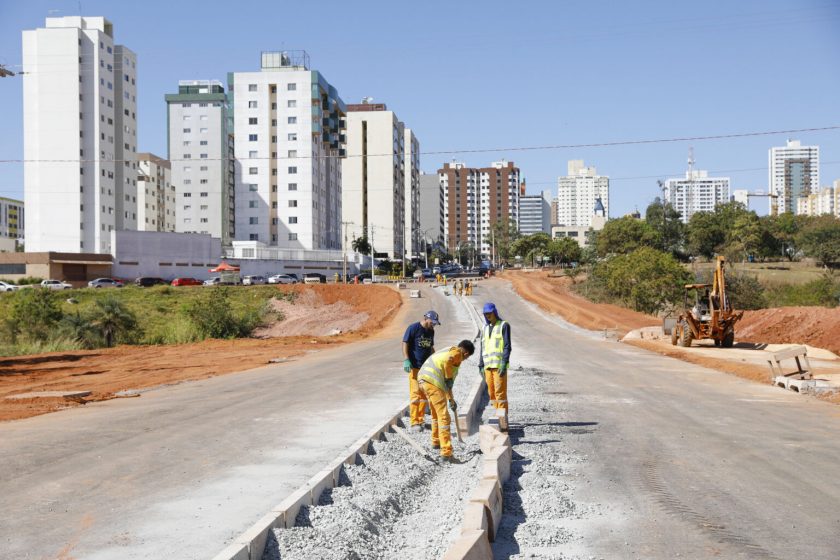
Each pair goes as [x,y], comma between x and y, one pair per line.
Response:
[418,345]
[495,356]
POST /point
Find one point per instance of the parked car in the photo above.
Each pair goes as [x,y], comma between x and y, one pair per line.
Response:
[314,278]
[148,281]
[215,281]
[187,282]
[55,285]
[105,283]
[282,279]
[253,280]
[4,287]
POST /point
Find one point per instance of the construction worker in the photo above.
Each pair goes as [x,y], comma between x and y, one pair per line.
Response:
[436,378]
[469,288]
[418,344]
[495,356]
[459,287]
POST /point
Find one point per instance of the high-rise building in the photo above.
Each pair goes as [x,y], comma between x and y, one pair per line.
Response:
[825,201]
[376,179]
[11,218]
[413,236]
[696,192]
[431,204]
[155,194]
[199,146]
[535,213]
[475,200]
[79,135]
[554,209]
[289,126]
[577,192]
[794,173]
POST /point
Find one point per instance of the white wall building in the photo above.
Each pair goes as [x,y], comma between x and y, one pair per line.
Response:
[696,192]
[12,221]
[74,85]
[202,165]
[413,236]
[155,194]
[431,204]
[577,192]
[794,173]
[825,201]
[741,196]
[289,125]
[535,213]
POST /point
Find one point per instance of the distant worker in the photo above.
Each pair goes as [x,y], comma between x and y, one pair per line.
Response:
[437,376]
[418,344]
[469,288]
[460,287]
[495,356]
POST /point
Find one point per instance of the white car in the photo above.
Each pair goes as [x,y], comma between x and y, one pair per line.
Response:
[282,279]
[253,280]
[55,285]
[105,283]
[215,281]
[8,287]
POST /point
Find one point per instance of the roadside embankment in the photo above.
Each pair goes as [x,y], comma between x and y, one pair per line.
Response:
[107,372]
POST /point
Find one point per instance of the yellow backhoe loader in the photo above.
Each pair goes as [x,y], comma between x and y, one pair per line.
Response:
[711,316]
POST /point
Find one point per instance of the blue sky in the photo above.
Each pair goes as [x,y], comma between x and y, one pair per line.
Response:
[479,75]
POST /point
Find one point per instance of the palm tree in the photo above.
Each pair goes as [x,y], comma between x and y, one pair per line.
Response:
[111,318]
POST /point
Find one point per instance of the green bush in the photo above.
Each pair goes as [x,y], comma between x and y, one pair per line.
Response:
[824,291]
[179,330]
[212,315]
[34,315]
[56,344]
[113,321]
[745,292]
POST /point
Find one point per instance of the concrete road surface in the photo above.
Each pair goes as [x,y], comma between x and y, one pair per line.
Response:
[676,461]
[180,471]
[665,459]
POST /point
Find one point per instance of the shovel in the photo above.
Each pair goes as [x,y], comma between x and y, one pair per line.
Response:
[455,414]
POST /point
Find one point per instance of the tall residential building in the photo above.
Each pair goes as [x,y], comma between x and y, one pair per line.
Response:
[476,199]
[554,208]
[696,192]
[414,243]
[794,173]
[79,135]
[577,192]
[11,218]
[289,125]
[535,213]
[373,178]
[155,194]
[825,201]
[431,205]
[199,147]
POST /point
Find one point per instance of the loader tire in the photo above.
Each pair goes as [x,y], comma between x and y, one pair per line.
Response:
[728,339]
[675,334]
[686,336]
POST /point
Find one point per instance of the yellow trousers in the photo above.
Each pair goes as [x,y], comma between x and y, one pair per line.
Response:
[417,400]
[496,387]
[440,418]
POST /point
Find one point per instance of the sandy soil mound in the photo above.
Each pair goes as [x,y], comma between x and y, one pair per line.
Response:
[554,295]
[817,326]
[308,314]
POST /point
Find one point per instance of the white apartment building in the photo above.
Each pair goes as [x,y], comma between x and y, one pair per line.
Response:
[477,198]
[289,126]
[696,192]
[794,173]
[431,209]
[535,213]
[11,219]
[155,194]
[380,180]
[577,192]
[200,148]
[825,201]
[79,135]
[741,196]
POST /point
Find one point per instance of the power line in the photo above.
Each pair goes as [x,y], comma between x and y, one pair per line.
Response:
[634,142]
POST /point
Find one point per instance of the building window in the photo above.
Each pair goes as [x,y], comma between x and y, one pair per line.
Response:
[291,87]
[253,171]
[293,204]
[292,170]
[202,118]
[252,87]
[292,186]
[252,187]
[292,219]
[202,130]
[203,195]
[292,237]
[252,120]
[292,153]
[187,142]
[254,236]
[203,156]
[253,220]
[252,137]
[252,204]
[292,137]
[203,181]
[187,195]
[203,220]
[252,154]
[187,117]
[291,103]
[202,143]
[187,131]
[252,104]
[292,120]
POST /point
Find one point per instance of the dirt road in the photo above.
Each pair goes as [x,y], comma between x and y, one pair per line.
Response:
[358,311]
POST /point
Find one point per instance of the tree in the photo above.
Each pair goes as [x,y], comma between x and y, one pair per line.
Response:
[530,247]
[361,245]
[503,234]
[704,235]
[784,229]
[624,235]
[564,250]
[666,220]
[35,313]
[820,240]
[112,320]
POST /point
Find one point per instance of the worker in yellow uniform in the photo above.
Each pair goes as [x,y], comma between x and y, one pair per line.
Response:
[436,378]
[418,344]
[495,356]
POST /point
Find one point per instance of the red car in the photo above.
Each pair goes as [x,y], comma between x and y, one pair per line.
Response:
[187,282]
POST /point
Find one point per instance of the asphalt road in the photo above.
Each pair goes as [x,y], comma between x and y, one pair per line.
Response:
[665,459]
[180,471]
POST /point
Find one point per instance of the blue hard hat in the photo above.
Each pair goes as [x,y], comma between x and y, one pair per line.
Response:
[433,316]
[490,307]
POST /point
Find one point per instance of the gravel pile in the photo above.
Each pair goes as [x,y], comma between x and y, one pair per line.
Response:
[537,506]
[398,504]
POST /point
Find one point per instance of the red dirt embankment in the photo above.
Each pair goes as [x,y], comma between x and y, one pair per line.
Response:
[108,371]
[817,326]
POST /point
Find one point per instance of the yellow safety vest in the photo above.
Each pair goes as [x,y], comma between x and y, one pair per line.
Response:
[493,345]
[432,370]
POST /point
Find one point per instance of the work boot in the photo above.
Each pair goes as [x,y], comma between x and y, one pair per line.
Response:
[449,459]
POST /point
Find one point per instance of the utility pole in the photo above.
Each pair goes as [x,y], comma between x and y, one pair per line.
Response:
[344,247]
[372,253]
